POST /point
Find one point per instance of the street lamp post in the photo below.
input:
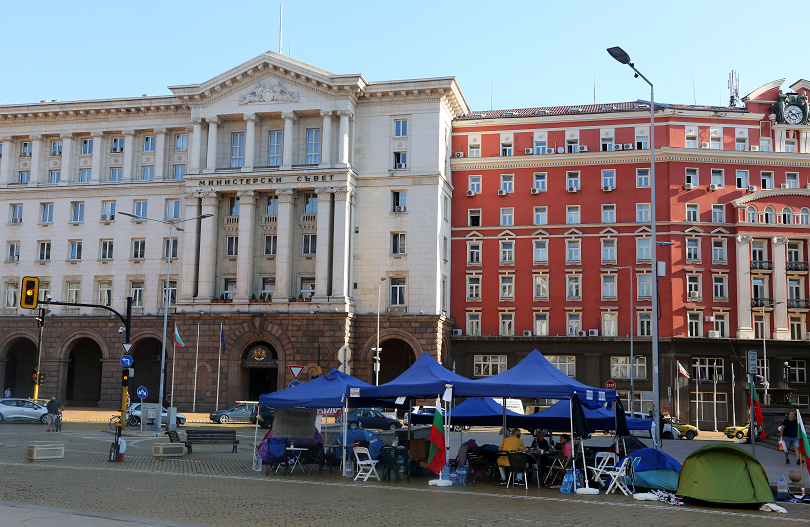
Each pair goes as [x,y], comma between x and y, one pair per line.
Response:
[377,349]
[632,330]
[765,377]
[621,56]
[172,225]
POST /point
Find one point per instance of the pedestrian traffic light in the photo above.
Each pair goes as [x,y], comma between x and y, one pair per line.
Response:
[34,374]
[30,292]
[42,377]
[125,377]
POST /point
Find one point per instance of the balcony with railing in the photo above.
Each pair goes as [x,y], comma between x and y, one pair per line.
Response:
[797,266]
[269,219]
[798,303]
[762,302]
[761,265]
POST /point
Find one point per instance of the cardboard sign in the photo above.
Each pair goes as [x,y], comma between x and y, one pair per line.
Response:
[354,392]
[294,423]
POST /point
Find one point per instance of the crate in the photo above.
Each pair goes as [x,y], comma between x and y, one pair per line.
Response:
[45,451]
[168,450]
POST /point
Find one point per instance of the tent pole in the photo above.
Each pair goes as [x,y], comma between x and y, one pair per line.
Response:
[571,418]
[504,417]
[345,450]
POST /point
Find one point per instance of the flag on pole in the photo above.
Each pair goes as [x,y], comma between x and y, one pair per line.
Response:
[437,457]
[757,411]
[804,445]
[177,340]
[682,370]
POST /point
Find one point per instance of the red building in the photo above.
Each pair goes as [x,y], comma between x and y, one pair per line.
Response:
[551,230]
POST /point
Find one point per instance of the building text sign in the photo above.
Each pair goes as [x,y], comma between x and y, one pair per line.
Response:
[267,180]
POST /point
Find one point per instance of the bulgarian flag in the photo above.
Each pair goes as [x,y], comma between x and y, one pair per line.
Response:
[437,457]
[804,446]
[682,370]
[177,340]
[757,410]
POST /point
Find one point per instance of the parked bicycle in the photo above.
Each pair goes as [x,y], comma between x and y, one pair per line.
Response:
[132,421]
[57,423]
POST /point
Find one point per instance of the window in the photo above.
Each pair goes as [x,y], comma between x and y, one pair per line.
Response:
[790,146]
[770,215]
[720,324]
[609,178]
[573,324]
[692,212]
[474,287]
[400,128]
[507,324]
[507,217]
[54,176]
[474,253]
[642,143]
[474,217]
[108,209]
[314,147]
[138,249]
[764,145]
[766,180]
[310,244]
[539,147]
[486,365]
[707,369]
[608,250]
[170,292]
[540,182]
[792,180]
[718,251]
[170,247]
[787,215]
[274,149]
[742,179]
[105,293]
[609,286]
[642,178]
[56,148]
[47,213]
[310,204]
[643,249]
[85,175]
[397,291]
[106,249]
[540,251]
[573,286]
[759,327]
[642,212]
[751,214]
[540,216]
[757,251]
[567,365]
[44,290]
[507,287]
[758,287]
[620,367]
[719,287]
[644,325]
[75,250]
[398,243]
[507,252]
[139,208]
[149,143]
[172,209]
[694,324]
[268,286]
[44,251]
[136,291]
[691,141]
[691,177]
[307,287]
[797,371]
[271,205]
[717,178]
[572,214]
[399,201]
[608,213]
[805,216]
[572,146]
[507,183]
[270,244]
[179,172]
[715,143]
[116,174]
[77,211]
[25,177]
[540,286]
[148,173]
[181,142]
[475,151]
[506,149]
[26,149]
[541,324]
[572,250]
[74,292]
[475,184]
[237,150]
[693,287]
[87,147]
[644,286]
[692,250]
[741,144]
[16,213]
[573,180]
[718,214]
[794,289]
[14,251]
[117,144]
[793,253]
[607,145]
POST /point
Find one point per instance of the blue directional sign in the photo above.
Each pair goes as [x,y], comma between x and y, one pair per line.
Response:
[295,383]
[141,392]
[126,361]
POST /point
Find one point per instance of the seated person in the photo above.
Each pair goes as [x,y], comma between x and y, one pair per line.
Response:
[540,442]
[565,441]
[512,443]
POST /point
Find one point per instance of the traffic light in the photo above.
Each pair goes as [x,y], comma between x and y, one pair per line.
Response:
[34,374]
[125,377]
[30,292]
[42,377]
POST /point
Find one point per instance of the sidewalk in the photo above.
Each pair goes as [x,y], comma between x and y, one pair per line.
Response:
[36,516]
[102,415]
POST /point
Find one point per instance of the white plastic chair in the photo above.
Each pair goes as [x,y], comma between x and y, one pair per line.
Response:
[365,465]
[618,475]
[604,461]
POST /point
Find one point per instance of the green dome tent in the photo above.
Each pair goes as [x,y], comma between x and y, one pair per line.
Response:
[724,473]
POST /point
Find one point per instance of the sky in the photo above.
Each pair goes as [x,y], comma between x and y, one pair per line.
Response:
[514,54]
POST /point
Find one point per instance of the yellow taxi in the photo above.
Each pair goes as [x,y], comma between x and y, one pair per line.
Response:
[686,430]
[740,432]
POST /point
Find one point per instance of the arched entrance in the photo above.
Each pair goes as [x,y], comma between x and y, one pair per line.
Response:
[83,386]
[396,357]
[20,365]
[259,370]
[146,361]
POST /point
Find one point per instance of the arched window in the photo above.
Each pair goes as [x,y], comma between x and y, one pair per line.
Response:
[805,216]
[787,215]
[751,214]
[770,215]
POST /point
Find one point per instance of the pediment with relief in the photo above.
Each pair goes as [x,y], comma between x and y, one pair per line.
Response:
[268,90]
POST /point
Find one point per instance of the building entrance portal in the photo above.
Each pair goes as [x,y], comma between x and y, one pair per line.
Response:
[259,370]
[84,374]
[22,360]
[146,362]
[396,357]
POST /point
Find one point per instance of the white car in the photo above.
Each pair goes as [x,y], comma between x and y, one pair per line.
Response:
[22,410]
[135,412]
[669,432]
[424,410]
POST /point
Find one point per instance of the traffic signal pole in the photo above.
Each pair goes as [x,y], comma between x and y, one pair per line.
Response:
[37,374]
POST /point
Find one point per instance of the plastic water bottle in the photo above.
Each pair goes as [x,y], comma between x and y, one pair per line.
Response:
[401,464]
[782,488]
[462,475]
[454,476]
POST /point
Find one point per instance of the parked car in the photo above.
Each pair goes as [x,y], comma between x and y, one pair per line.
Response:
[266,415]
[423,410]
[238,414]
[669,431]
[686,430]
[134,413]
[370,418]
[22,410]
[740,432]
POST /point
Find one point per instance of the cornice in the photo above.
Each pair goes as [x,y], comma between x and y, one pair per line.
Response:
[90,111]
[762,194]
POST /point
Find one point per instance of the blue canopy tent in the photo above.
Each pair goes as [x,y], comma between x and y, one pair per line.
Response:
[479,411]
[653,469]
[558,417]
[326,391]
[425,378]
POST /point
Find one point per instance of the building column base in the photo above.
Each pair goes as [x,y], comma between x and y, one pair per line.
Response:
[745,333]
[781,334]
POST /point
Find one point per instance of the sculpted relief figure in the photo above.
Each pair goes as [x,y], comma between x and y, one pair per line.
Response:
[268,91]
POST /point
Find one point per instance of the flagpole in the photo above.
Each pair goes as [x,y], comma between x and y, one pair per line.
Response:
[174,363]
[733,411]
[219,363]
[715,403]
[196,362]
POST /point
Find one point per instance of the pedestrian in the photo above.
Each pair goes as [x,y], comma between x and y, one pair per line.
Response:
[8,393]
[53,410]
[167,402]
[565,441]
[790,436]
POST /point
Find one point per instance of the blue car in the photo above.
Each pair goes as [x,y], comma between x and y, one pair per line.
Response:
[238,414]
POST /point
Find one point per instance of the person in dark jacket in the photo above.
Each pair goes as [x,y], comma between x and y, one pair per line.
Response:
[790,435]
[53,411]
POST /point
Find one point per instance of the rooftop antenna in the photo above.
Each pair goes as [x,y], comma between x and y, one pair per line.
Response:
[734,88]
[694,94]
[490,93]
[280,26]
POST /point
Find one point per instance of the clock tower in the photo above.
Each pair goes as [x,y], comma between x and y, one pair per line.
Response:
[792,109]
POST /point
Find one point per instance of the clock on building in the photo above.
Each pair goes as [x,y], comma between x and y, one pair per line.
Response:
[794,114]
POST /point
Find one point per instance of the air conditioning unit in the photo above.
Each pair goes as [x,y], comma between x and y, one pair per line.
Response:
[56,153]
[16,220]
[400,209]
[45,451]
[752,188]
[528,151]
[617,146]
[628,146]
[470,193]
[458,333]
[694,294]
[708,319]
[583,148]
[712,187]
[560,150]
[501,192]
[607,188]
[401,165]
[549,150]
[593,332]
[572,189]
[714,335]
[527,333]
[808,186]
[107,217]
[704,145]
[754,148]
[582,333]
[688,186]
[535,190]
[783,185]
[168,449]
[459,154]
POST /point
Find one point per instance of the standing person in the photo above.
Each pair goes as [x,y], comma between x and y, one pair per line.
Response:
[53,411]
[166,400]
[790,435]
[8,393]
[512,443]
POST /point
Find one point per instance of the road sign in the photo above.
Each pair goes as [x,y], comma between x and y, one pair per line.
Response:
[127,347]
[610,384]
[126,361]
[142,393]
[295,383]
[752,362]
[296,371]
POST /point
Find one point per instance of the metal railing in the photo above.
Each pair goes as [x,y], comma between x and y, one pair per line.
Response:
[762,265]
[761,302]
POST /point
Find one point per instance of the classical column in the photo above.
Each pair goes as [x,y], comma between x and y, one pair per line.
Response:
[211,160]
[343,140]
[196,145]
[129,154]
[341,243]
[207,284]
[244,259]
[5,161]
[188,280]
[322,248]
[745,328]
[160,154]
[287,150]
[326,139]
[67,158]
[99,155]
[284,249]
[250,143]
[781,328]
[36,160]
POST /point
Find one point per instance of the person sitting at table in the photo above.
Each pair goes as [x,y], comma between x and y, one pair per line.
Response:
[565,441]
[512,443]
[540,442]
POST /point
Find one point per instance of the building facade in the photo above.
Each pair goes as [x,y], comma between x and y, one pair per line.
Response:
[552,248]
[319,191]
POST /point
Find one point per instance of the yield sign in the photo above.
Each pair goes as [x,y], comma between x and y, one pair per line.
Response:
[127,347]
[296,371]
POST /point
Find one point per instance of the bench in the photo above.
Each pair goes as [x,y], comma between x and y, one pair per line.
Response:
[206,437]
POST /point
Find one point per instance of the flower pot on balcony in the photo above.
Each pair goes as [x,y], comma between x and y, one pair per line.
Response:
[229,300]
[308,299]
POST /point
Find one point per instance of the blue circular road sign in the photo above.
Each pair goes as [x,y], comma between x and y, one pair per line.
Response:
[295,383]
[126,361]
[142,392]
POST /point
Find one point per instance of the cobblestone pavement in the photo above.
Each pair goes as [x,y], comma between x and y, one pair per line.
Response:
[214,487]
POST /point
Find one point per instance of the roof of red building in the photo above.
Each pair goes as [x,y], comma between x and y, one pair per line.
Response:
[632,106]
